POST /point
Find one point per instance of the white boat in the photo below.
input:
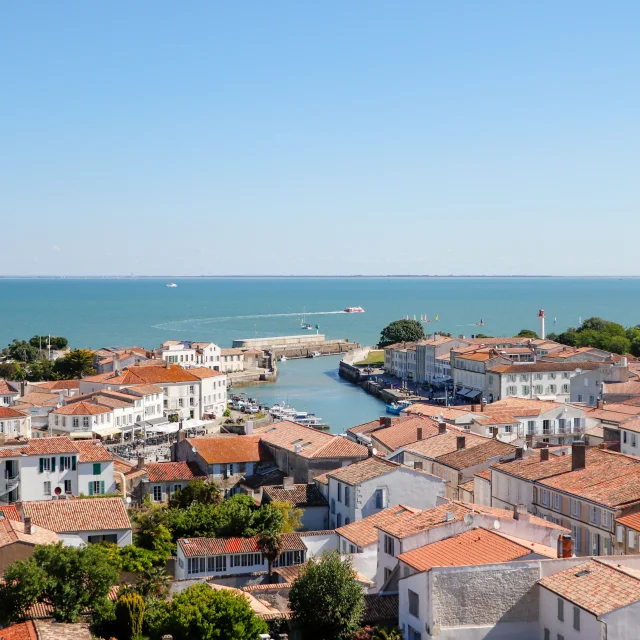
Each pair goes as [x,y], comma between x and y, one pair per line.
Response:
[313,422]
[357,310]
[171,285]
[282,358]
[316,354]
[282,411]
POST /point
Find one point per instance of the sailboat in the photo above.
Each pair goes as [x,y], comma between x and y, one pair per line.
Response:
[555,321]
[305,325]
[580,320]
[481,323]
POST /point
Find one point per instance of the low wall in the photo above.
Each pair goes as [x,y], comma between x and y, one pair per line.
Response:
[325,348]
[278,341]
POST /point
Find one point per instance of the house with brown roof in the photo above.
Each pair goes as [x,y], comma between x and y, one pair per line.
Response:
[66,388]
[15,422]
[363,488]
[225,459]
[9,392]
[81,520]
[304,453]
[18,539]
[400,432]
[46,630]
[165,478]
[306,497]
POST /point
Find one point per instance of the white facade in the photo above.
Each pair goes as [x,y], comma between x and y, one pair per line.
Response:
[550,611]
[433,358]
[555,384]
[14,423]
[629,441]
[121,537]
[402,485]
[194,354]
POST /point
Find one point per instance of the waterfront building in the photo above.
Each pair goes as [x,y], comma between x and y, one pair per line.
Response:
[469,371]
[82,521]
[433,358]
[197,392]
[190,354]
[363,488]
[43,468]
[231,360]
[110,359]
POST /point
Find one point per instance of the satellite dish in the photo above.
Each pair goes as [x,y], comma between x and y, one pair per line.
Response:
[374,451]
[496,524]
[128,499]
[194,449]
[468,519]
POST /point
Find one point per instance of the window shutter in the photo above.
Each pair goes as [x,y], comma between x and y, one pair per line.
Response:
[41,465]
[53,464]
[102,493]
[97,469]
[91,488]
[61,463]
[73,463]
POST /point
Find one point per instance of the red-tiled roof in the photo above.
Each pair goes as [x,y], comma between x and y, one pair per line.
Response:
[7,412]
[479,454]
[594,586]
[365,532]
[363,470]
[631,520]
[475,547]
[58,384]
[405,431]
[13,531]
[81,514]
[313,443]
[92,451]
[424,520]
[299,495]
[81,409]
[10,512]
[49,446]
[19,631]
[6,390]
[192,547]
[168,471]
[542,366]
[443,443]
[229,449]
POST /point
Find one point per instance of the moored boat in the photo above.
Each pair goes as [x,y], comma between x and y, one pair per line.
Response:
[354,310]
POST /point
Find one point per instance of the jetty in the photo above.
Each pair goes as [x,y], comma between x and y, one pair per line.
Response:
[300,346]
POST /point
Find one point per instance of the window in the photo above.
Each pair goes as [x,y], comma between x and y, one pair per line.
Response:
[557,501]
[192,389]
[561,609]
[576,618]
[525,390]
[347,497]
[552,376]
[339,520]
[524,378]
[45,464]
[339,492]
[575,508]
[565,388]
[624,437]
[594,515]
[547,634]
[389,545]
[577,538]
[111,538]
[97,468]
[507,428]
[195,565]
[333,505]
[631,541]
[47,488]
[85,421]
[512,391]
[379,498]
[531,426]
[538,376]
[387,573]
[552,388]
[538,389]
[633,439]
[180,402]
[67,486]
[346,522]
[545,497]
[67,462]
[96,488]
[579,397]
[413,634]
[414,603]
[606,519]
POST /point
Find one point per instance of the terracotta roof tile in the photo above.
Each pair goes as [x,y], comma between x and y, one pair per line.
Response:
[621,388]
[473,456]
[92,451]
[39,399]
[541,366]
[229,449]
[300,495]
[7,390]
[13,531]
[314,444]
[81,514]
[435,411]
[10,511]
[364,470]
[405,431]
[594,586]
[48,446]
[533,469]
[168,471]
[380,608]
[57,385]
[365,532]
[366,428]
[19,631]
[192,547]
[485,474]
[148,373]
[441,444]
[424,520]
[8,412]
[631,520]
[475,547]
[81,409]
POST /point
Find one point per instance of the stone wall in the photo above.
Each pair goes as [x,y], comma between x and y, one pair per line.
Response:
[485,595]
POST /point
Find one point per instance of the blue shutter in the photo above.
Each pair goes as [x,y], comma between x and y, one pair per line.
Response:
[53,464]
[91,488]
[102,487]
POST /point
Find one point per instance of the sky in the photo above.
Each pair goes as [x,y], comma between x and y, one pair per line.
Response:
[202,137]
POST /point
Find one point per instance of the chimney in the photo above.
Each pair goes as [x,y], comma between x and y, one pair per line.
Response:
[565,546]
[419,433]
[2,437]
[140,462]
[600,403]
[529,440]
[382,421]
[460,441]
[442,428]
[578,456]
[519,452]
[27,526]
[287,483]
[370,450]
[483,404]
[248,428]
[180,434]
[388,422]
[520,512]
[167,365]
[474,408]
[544,455]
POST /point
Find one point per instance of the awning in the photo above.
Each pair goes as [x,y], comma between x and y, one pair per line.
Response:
[107,431]
[81,435]
[551,397]
[473,393]
[168,428]
[463,391]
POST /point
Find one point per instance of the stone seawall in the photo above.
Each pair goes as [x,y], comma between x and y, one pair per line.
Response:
[323,347]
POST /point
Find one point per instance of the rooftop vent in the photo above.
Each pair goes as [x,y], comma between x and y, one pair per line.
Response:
[582,573]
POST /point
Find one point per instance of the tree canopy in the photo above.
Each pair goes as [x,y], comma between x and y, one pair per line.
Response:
[56,342]
[528,333]
[197,491]
[209,614]
[325,599]
[401,331]
[68,579]
[601,334]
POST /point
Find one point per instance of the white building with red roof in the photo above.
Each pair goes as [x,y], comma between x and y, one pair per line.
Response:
[15,422]
[47,468]
[9,392]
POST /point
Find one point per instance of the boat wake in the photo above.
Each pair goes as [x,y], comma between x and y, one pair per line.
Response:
[174,325]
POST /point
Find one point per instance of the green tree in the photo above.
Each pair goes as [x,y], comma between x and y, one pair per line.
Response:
[12,371]
[325,599]
[21,351]
[270,544]
[528,333]
[129,616]
[197,521]
[197,491]
[267,518]
[153,583]
[401,331]
[56,342]
[76,364]
[292,515]
[41,369]
[68,579]
[207,614]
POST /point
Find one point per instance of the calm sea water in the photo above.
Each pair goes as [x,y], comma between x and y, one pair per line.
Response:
[144,312]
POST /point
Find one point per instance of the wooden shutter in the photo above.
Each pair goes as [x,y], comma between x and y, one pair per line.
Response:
[73,463]
[102,487]
[91,488]
[41,465]
[53,464]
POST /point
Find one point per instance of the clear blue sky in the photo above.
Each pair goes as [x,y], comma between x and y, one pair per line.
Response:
[187,138]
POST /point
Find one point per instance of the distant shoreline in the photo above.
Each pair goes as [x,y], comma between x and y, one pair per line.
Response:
[322,277]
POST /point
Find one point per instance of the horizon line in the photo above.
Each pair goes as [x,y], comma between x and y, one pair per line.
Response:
[306,276]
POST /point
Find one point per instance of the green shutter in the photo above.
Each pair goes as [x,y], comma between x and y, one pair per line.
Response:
[91,488]
[73,463]
[41,465]
[97,469]
[53,464]
[101,487]
[61,463]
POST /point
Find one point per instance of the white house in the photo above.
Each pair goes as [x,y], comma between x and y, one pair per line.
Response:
[190,354]
[231,359]
[363,488]
[44,468]
[208,557]
[9,392]
[82,521]
[433,358]
[14,422]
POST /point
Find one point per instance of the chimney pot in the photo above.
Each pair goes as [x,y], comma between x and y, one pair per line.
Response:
[442,428]
[578,456]
[27,526]
[483,404]
[419,433]
[600,403]
[248,428]
[287,483]
[180,434]
[544,455]
[519,452]
[460,442]
[520,512]
[565,546]
[140,462]
[382,421]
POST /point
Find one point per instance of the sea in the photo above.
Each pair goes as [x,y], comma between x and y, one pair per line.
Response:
[97,312]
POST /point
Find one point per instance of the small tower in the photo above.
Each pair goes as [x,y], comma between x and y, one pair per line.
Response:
[541,316]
